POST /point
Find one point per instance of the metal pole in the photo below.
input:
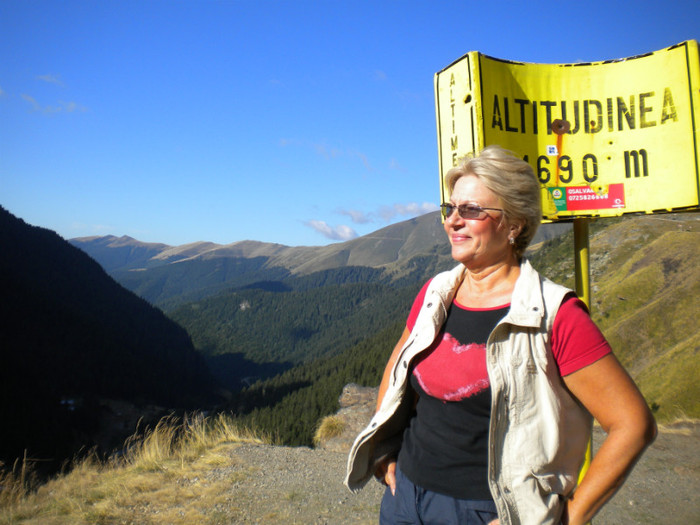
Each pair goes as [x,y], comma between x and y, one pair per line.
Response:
[583,290]
[582,268]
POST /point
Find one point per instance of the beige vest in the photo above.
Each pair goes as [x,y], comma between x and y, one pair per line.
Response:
[538,432]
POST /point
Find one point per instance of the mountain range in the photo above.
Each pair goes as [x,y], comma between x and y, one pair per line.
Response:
[645,285]
[168,276]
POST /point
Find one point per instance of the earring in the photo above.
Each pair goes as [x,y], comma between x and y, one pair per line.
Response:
[511,241]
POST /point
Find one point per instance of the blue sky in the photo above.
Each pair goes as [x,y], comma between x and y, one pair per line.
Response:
[297,122]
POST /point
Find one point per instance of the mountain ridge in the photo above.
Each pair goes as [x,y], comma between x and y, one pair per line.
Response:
[170,275]
[398,236]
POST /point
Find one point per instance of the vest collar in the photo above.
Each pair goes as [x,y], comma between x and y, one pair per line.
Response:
[527,304]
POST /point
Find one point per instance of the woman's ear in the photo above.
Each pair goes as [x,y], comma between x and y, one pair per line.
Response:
[515,230]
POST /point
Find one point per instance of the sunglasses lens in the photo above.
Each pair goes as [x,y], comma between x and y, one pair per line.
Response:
[465,211]
[469,212]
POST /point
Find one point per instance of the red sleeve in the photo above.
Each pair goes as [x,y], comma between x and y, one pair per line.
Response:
[576,341]
[417,303]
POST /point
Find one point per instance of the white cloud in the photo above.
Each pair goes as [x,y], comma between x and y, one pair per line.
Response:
[385,214]
[35,105]
[411,209]
[380,75]
[63,107]
[337,233]
[70,107]
[357,216]
[388,213]
[51,79]
[394,165]
[328,152]
[363,158]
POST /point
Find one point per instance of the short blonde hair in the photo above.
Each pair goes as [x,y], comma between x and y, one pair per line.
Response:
[514,183]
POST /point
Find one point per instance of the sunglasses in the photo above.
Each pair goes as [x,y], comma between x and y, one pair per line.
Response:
[466,211]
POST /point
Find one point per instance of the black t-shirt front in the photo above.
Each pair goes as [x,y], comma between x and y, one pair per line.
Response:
[445,447]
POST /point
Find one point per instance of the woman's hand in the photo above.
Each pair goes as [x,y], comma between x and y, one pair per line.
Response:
[386,473]
[495,522]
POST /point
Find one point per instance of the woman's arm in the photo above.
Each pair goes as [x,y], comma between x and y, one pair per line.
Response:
[610,395]
[390,365]
[386,472]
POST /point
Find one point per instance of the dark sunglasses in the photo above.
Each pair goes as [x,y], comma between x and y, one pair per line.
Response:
[466,211]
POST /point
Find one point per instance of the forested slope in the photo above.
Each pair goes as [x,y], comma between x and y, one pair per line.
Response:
[253,331]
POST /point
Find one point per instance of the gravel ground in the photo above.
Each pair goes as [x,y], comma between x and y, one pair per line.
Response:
[284,485]
[281,485]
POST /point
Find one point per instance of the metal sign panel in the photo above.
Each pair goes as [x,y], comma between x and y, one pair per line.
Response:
[604,138]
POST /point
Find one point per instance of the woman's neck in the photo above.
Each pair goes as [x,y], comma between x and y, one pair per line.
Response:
[488,287]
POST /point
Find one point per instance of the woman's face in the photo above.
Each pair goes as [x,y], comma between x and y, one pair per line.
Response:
[477,243]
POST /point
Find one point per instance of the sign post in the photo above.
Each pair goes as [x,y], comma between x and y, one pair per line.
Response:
[583,290]
[581,260]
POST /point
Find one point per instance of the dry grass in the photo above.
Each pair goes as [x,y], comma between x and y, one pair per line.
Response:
[17,483]
[330,427]
[684,426]
[160,478]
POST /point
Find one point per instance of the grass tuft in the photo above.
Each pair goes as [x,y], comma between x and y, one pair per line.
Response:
[330,427]
[160,477]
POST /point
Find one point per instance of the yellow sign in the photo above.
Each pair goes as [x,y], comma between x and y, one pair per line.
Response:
[604,138]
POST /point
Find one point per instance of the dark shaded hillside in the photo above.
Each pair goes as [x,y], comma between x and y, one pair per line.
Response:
[71,335]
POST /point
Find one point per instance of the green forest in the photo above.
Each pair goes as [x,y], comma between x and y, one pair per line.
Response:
[312,340]
[287,348]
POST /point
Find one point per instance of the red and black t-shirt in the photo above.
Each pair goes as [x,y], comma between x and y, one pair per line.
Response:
[445,447]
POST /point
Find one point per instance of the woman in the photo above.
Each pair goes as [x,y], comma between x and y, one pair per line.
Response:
[484,410]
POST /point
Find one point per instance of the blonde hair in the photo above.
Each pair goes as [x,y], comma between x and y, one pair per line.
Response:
[513,181]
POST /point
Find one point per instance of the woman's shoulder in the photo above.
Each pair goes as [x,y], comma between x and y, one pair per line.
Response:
[448,278]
